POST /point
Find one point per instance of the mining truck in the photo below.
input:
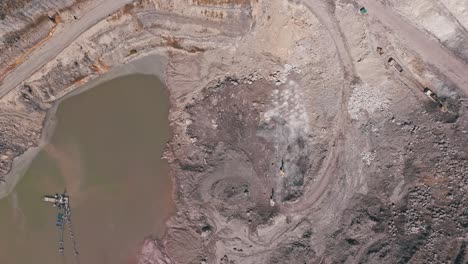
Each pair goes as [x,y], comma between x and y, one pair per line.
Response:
[431,95]
[395,65]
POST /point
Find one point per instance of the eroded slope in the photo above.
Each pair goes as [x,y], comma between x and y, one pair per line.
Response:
[294,139]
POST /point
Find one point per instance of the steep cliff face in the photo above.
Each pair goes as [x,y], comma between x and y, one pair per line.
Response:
[23,25]
[18,15]
[9,7]
[162,27]
[294,139]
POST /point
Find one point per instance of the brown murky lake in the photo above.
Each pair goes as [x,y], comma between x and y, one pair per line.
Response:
[106,151]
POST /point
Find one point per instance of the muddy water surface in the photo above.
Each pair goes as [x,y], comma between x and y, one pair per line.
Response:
[106,152]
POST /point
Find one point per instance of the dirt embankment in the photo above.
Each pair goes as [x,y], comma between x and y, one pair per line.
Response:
[294,139]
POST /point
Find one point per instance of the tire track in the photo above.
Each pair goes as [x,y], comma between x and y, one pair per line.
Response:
[429,50]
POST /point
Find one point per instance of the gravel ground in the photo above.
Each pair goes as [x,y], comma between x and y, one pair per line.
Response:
[294,140]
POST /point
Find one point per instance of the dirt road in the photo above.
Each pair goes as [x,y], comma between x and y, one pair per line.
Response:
[322,12]
[62,38]
[328,172]
[429,49]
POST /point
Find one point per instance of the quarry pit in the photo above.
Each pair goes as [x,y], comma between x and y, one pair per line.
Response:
[295,137]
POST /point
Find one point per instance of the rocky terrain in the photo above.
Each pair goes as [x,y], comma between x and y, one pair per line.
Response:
[294,138]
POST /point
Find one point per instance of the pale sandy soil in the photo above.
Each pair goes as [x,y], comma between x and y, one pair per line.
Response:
[375,172]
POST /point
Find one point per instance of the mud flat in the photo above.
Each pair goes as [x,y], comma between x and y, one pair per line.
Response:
[106,151]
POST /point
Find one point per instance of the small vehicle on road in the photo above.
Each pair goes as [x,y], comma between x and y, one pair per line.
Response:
[431,95]
[395,65]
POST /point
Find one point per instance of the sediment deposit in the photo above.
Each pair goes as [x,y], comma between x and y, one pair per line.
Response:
[294,139]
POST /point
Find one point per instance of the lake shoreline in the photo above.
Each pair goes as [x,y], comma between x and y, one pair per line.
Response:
[147,64]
